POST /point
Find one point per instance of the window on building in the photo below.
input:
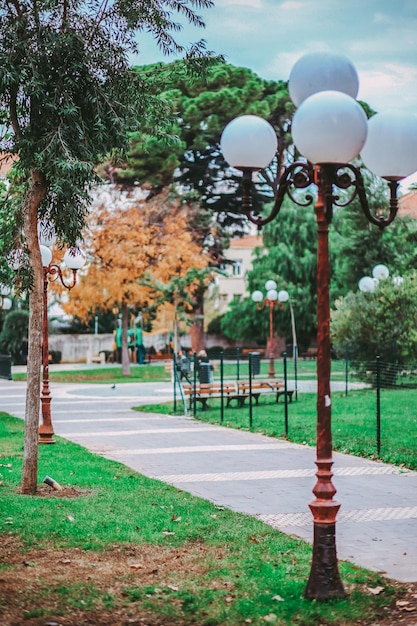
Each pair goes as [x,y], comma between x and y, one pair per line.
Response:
[237,268]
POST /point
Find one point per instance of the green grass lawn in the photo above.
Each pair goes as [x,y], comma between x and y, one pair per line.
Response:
[183,560]
[106,375]
[353,421]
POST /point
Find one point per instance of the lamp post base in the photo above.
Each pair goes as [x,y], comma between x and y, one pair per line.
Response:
[46,437]
[46,431]
[324,582]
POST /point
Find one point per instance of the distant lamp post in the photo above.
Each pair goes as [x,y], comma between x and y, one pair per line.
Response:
[5,302]
[274,299]
[329,129]
[379,272]
[284,296]
[271,301]
[74,259]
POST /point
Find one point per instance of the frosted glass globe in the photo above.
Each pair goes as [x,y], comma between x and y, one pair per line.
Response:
[329,127]
[390,150]
[6,305]
[257,296]
[272,295]
[270,284]
[367,283]
[74,258]
[46,256]
[249,141]
[283,296]
[46,233]
[322,71]
[380,271]
[4,290]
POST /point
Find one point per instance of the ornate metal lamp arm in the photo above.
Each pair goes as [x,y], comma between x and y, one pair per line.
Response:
[56,272]
[298,175]
[378,220]
[301,175]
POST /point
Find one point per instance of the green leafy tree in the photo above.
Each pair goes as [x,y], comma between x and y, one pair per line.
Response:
[381,323]
[204,107]
[356,246]
[185,294]
[68,97]
[13,337]
[290,259]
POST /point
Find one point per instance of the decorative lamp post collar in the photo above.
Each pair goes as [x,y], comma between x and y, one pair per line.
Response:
[329,129]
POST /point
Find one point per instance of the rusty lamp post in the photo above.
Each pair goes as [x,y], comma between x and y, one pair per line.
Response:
[271,300]
[74,259]
[329,129]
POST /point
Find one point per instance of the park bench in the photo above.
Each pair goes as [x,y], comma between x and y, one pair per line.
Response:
[310,353]
[203,392]
[257,387]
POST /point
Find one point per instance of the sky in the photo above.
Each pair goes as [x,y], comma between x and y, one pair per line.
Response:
[269,36]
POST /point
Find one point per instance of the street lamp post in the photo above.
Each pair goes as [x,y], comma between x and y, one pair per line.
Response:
[74,259]
[329,129]
[272,299]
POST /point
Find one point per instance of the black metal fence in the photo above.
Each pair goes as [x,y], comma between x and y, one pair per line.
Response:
[295,377]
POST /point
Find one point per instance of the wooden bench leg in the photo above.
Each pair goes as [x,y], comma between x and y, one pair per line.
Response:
[289,395]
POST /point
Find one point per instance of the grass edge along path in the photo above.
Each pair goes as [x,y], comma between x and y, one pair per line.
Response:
[237,569]
[353,422]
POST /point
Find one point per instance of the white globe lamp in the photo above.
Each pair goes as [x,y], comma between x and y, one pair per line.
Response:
[390,150]
[322,71]
[257,296]
[329,127]
[249,142]
[74,258]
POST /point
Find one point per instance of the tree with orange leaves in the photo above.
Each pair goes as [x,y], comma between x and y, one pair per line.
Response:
[129,237]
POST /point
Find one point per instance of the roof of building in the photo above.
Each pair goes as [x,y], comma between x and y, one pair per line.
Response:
[250,241]
[407,206]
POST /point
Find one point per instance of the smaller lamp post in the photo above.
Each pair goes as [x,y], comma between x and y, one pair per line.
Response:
[74,259]
[272,299]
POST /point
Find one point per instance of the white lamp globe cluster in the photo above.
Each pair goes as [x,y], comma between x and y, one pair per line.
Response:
[74,258]
[271,293]
[379,272]
[329,125]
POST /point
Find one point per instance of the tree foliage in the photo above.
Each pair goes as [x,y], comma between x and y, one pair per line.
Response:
[356,245]
[68,97]
[14,334]
[203,108]
[289,258]
[128,239]
[379,323]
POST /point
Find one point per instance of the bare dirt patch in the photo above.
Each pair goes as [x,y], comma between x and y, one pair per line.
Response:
[45,491]
[69,586]
[36,580]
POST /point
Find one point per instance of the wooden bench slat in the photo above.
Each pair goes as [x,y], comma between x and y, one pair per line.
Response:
[238,391]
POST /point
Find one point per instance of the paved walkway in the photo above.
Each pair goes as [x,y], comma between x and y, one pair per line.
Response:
[250,473]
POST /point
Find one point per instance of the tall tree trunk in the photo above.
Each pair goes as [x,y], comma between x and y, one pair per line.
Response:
[125,349]
[34,361]
[197,334]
